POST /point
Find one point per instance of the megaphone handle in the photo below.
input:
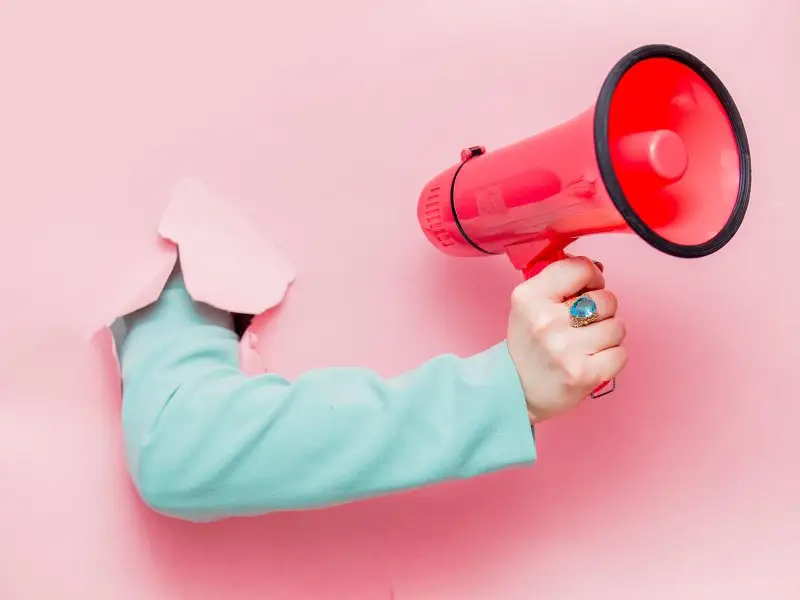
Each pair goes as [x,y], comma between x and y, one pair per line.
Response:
[534,268]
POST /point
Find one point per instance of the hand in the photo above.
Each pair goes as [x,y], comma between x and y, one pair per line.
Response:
[560,365]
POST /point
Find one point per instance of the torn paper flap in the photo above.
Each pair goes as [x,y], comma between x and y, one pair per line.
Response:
[143,281]
[227,261]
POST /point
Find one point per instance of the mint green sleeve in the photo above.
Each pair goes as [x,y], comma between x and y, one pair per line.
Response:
[204,441]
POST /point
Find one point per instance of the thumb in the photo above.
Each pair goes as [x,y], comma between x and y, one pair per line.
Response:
[566,278]
[597,263]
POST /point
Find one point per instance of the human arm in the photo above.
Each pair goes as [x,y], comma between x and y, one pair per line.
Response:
[204,441]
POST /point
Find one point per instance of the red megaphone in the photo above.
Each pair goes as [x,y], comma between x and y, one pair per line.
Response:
[662,153]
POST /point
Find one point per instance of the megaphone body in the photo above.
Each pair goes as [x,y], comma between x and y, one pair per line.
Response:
[662,153]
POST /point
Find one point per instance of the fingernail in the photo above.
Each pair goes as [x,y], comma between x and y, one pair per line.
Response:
[599,265]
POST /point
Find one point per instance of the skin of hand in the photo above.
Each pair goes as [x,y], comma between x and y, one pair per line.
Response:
[560,365]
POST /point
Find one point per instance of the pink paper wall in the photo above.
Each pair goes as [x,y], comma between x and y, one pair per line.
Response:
[325,119]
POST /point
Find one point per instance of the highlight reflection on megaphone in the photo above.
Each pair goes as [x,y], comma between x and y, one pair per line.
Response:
[662,153]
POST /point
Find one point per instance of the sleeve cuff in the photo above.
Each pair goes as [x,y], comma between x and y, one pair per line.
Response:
[510,439]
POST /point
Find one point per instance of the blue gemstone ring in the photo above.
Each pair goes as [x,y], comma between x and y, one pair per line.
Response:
[582,311]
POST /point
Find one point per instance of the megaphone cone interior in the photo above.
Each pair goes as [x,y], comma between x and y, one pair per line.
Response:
[673,151]
[662,153]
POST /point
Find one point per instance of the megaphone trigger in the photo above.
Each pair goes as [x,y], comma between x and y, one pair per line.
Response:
[604,389]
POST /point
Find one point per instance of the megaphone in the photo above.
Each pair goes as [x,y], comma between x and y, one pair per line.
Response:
[662,153]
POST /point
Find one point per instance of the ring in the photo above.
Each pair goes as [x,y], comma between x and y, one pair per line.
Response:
[583,311]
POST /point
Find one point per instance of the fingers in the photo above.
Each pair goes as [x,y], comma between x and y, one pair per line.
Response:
[566,278]
[583,342]
[606,365]
[600,336]
[533,298]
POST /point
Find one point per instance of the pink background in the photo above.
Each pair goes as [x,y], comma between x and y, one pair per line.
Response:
[325,119]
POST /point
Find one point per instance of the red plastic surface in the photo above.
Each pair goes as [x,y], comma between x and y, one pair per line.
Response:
[666,95]
[672,149]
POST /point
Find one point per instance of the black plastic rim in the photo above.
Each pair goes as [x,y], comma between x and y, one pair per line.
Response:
[601,145]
